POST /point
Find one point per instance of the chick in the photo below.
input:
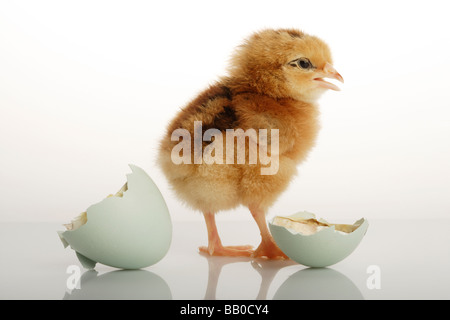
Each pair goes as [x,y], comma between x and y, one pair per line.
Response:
[274,80]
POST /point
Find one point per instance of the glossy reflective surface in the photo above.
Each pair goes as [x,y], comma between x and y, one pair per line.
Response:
[395,260]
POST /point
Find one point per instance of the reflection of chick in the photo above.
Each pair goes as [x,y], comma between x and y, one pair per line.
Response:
[274,79]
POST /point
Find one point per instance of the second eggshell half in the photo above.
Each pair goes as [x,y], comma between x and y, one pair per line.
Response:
[321,249]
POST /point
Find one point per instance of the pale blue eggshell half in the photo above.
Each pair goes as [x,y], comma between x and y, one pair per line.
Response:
[129,232]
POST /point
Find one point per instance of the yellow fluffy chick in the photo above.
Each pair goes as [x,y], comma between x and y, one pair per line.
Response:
[274,80]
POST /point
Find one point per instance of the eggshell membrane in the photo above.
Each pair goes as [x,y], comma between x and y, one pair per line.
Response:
[322,249]
[130,232]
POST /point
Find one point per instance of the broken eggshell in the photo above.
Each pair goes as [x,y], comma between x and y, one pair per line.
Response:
[130,230]
[322,247]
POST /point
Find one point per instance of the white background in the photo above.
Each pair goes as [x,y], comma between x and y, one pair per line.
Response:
[87,87]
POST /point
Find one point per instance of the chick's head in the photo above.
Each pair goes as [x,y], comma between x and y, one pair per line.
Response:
[284,63]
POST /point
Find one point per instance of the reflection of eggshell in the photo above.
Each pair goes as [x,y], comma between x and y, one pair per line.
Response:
[130,231]
[318,284]
[121,285]
[319,248]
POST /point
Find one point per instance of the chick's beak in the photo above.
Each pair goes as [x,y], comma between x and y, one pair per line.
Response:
[328,72]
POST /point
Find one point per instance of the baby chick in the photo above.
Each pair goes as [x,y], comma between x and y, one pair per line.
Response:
[274,80]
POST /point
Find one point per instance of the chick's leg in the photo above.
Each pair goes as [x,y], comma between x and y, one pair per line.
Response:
[215,247]
[268,249]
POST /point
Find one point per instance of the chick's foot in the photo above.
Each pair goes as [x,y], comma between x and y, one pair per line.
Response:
[269,250]
[228,251]
[215,247]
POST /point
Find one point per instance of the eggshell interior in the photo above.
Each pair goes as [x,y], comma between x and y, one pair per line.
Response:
[130,232]
[323,248]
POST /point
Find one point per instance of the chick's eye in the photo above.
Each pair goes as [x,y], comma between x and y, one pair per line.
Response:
[304,63]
